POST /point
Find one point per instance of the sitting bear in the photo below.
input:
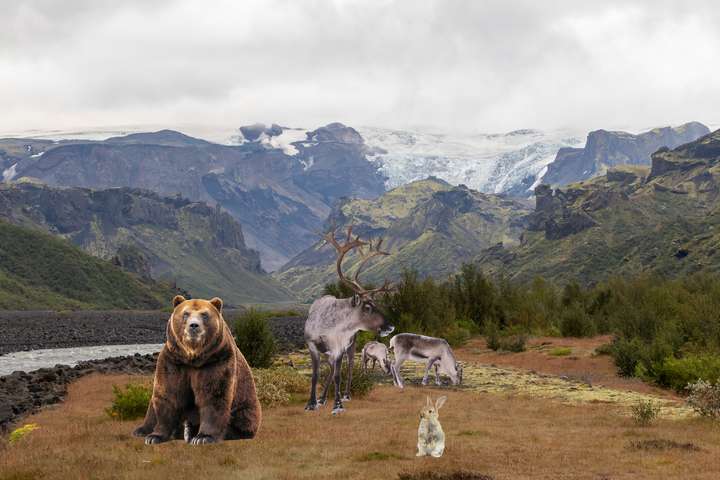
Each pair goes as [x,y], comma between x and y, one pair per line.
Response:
[203,385]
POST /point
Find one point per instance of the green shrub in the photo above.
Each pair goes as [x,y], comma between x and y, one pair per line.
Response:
[575,322]
[704,398]
[604,349]
[627,355]
[362,382]
[492,336]
[645,412]
[514,343]
[677,373]
[255,339]
[130,403]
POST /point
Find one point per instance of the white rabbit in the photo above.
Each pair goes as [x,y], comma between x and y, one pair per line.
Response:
[431,438]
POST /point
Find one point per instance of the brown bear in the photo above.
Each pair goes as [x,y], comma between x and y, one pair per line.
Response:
[203,386]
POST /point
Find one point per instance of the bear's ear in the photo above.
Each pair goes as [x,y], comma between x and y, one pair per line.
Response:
[217,303]
[178,300]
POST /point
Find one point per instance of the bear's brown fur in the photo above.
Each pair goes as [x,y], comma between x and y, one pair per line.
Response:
[203,386]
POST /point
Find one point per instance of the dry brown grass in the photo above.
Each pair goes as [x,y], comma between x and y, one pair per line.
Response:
[501,436]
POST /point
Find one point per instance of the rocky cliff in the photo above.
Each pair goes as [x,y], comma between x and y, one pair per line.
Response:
[604,150]
[662,219]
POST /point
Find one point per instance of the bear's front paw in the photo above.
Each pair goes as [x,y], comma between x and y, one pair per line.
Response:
[154,439]
[203,439]
[141,431]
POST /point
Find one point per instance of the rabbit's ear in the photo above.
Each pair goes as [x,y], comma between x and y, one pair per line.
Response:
[440,402]
[429,402]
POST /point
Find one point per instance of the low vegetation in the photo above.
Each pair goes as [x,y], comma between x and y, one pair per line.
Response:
[704,398]
[645,412]
[255,339]
[666,331]
[131,402]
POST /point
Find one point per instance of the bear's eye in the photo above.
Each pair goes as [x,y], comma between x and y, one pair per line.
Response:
[205,316]
[185,315]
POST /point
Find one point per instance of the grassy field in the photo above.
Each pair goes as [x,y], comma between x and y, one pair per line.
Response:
[504,434]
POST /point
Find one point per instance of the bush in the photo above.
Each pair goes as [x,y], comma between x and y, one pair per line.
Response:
[627,355]
[130,403]
[362,382]
[704,398]
[492,336]
[513,343]
[575,322]
[677,373]
[645,412]
[277,386]
[255,339]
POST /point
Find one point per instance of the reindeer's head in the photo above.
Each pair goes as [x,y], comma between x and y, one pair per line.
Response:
[369,315]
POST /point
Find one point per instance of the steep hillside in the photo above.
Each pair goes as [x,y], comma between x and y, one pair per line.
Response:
[279,183]
[39,271]
[428,225]
[629,221]
[605,150]
[199,247]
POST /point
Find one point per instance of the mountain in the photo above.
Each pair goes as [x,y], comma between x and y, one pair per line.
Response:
[42,272]
[199,247]
[280,183]
[663,219]
[491,163]
[604,149]
[427,225]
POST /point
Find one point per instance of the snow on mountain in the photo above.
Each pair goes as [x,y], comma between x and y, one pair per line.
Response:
[492,163]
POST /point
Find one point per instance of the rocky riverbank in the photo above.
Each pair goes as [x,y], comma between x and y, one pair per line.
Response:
[22,393]
[37,330]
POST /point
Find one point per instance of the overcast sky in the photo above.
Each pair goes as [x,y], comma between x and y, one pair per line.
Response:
[475,65]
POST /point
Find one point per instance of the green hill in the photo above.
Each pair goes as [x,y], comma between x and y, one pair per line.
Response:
[633,220]
[428,225]
[39,271]
[196,246]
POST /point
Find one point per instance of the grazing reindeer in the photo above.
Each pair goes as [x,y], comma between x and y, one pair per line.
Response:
[333,322]
[377,352]
[433,351]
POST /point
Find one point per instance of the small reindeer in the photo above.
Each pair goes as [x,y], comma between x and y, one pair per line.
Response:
[433,351]
[332,323]
[377,352]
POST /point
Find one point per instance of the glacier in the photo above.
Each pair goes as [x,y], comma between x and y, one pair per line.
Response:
[491,163]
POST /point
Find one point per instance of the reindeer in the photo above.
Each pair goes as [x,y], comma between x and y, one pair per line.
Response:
[377,352]
[434,351]
[332,323]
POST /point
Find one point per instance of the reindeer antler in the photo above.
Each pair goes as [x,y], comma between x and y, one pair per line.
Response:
[350,244]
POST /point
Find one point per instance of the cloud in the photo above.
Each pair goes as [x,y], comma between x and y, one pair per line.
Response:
[476,66]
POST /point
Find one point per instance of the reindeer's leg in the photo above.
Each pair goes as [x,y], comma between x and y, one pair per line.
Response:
[351,361]
[315,358]
[395,369]
[437,375]
[364,360]
[373,366]
[326,388]
[337,371]
[427,369]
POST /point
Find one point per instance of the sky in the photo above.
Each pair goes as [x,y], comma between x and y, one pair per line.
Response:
[470,66]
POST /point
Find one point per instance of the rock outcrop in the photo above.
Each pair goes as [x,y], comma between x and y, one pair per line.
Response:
[604,150]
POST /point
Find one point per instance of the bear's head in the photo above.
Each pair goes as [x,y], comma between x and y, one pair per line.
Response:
[196,324]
